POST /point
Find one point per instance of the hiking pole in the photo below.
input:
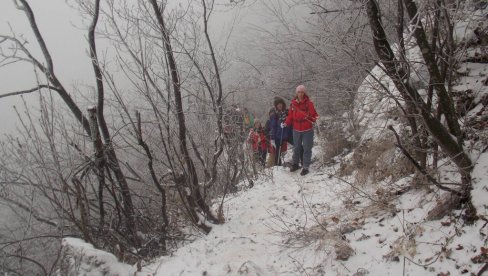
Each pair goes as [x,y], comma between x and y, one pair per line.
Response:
[281,142]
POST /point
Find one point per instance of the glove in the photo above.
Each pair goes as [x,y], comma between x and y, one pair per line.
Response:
[283,125]
[273,144]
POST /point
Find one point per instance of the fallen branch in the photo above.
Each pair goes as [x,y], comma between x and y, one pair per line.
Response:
[482,270]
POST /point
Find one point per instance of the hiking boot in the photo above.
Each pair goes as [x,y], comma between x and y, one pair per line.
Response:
[304,171]
[294,167]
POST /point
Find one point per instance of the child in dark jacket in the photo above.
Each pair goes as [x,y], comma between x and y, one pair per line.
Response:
[279,136]
[267,132]
[257,140]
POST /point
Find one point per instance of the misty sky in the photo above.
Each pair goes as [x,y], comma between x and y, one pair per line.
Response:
[67,43]
[65,35]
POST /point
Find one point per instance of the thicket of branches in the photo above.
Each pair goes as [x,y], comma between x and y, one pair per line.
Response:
[431,25]
[337,43]
[130,170]
[424,84]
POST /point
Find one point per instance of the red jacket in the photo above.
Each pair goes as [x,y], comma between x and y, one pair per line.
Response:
[302,114]
[257,139]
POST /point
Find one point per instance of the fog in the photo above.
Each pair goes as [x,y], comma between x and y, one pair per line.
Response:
[237,28]
[60,26]
[65,35]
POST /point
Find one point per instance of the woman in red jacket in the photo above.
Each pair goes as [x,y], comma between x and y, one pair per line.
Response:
[301,115]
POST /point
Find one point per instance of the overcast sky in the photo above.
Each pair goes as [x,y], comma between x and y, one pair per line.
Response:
[65,35]
[67,43]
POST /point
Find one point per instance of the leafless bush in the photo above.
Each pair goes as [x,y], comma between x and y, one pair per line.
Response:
[334,139]
[122,181]
[375,161]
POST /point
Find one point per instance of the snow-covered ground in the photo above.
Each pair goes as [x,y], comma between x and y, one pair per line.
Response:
[293,225]
[327,224]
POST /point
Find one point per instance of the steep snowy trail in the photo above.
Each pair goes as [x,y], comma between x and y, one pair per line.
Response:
[257,220]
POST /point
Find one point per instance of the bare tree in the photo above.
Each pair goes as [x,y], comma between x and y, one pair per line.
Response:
[89,183]
[347,42]
[444,137]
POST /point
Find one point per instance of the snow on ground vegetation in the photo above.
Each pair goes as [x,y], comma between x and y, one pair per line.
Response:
[321,224]
[352,217]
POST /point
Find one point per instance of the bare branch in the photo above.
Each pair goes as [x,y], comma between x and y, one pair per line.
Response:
[324,10]
[49,70]
[21,46]
[30,260]
[34,89]
[30,15]
[417,165]
[31,211]
[220,148]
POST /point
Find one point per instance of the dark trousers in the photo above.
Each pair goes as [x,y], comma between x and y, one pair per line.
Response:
[260,156]
[278,152]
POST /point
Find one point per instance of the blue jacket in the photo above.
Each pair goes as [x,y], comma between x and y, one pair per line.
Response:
[276,132]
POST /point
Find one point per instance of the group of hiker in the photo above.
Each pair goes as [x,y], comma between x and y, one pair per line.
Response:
[293,125]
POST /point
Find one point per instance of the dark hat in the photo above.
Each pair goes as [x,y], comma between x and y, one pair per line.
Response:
[279,100]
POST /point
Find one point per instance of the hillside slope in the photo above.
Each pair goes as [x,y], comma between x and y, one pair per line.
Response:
[353,217]
[322,225]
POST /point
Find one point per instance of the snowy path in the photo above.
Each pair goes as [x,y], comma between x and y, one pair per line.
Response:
[273,229]
[250,240]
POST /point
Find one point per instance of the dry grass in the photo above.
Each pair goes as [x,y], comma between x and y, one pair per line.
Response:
[334,140]
[375,161]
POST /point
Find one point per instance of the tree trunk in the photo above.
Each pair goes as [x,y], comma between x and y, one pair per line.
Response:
[218,103]
[154,178]
[195,198]
[49,70]
[99,162]
[439,83]
[112,158]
